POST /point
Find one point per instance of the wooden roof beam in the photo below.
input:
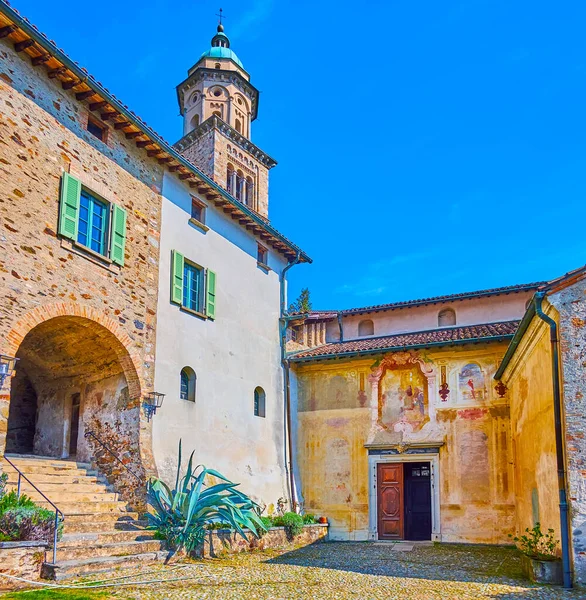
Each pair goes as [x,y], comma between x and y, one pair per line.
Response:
[39,60]
[154,152]
[67,85]
[122,124]
[143,143]
[20,46]
[165,159]
[187,175]
[85,95]
[109,115]
[133,134]
[6,31]
[98,105]
[58,71]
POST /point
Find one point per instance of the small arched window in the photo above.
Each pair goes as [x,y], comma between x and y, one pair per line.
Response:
[195,121]
[240,186]
[366,327]
[259,402]
[249,191]
[187,389]
[217,113]
[218,66]
[446,317]
[230,184]
[238,126]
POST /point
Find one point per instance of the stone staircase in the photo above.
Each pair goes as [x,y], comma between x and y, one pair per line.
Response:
[99,532]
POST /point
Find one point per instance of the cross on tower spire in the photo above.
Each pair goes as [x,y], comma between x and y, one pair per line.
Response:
[220,17]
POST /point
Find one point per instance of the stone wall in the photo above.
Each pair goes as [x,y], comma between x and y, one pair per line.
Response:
[225,542]
[43,277]
[20,559]
[571,306]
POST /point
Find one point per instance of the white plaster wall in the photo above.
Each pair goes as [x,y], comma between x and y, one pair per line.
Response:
[231,355]
[472,311]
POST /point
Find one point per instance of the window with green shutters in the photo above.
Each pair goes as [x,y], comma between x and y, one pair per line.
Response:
[193,287]
[90,221]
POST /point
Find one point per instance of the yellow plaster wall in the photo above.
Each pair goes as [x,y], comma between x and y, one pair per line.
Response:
[529,379]
[338,414]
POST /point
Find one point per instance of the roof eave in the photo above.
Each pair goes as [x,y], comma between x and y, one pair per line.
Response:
[496,338]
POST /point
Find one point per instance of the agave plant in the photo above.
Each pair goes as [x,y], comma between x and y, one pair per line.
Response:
[180,515]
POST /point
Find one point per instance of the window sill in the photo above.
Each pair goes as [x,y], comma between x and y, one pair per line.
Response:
[264,267]
[199,225]
[195,313]
[89,254]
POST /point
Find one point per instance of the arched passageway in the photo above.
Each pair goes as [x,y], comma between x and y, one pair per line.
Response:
[72,376]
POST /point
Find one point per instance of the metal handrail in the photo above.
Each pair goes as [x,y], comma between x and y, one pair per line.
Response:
[59,516]
[89,433]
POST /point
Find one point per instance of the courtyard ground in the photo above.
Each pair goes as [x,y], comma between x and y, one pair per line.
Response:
[337,570]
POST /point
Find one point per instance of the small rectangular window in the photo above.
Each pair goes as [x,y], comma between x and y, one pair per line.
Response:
[97,129]
[262,255]
[93,223]
[198,210]
[192,287]
[294,334]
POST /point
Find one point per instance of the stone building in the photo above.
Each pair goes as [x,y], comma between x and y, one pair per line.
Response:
[434,419]
[107,231]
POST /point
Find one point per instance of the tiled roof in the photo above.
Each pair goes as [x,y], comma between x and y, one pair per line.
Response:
[421,339]
[510,289]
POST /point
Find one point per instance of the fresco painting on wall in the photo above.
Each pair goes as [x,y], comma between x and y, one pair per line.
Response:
[471,383]
[403,400]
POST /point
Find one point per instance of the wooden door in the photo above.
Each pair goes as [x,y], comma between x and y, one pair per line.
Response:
[390,501]
[75,404]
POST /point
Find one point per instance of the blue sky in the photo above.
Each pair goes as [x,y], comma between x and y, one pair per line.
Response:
[424,147]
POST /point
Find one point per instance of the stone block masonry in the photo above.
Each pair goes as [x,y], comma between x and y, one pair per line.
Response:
[104,315]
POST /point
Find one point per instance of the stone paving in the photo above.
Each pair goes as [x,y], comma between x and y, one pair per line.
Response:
[349,570]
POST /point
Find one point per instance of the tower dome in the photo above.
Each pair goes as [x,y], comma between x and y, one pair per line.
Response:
[221,48]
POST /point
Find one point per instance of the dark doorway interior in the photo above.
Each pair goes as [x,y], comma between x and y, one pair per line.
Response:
[417,478]
[22,416]
[75,404]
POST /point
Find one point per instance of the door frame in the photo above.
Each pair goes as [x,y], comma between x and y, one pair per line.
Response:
[373,462]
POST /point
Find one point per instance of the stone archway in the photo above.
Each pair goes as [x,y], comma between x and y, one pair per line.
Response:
[77,371]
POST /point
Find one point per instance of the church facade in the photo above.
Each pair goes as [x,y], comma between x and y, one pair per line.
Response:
[435,419]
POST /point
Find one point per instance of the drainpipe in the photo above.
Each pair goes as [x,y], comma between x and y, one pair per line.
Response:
[559,443]
[340,327]
[288,448]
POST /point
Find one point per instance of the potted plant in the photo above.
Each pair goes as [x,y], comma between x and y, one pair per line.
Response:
[323,520]
[539,559]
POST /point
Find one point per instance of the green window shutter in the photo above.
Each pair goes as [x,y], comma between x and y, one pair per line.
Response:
[118,241]
[69,206]
[211,294]
[176,277]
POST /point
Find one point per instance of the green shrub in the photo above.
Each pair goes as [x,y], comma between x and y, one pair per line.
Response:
[22,520]
[268,522]
[218,525]
[537,544]
[181,515]
[309,519]
[292,522]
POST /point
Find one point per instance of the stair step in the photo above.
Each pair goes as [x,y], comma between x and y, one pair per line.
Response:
[72,568]
[37,470]
[107,537]
[90,524]
[66,552]
[69,495]
[84,508]
[48,487]
[26,459]
[38,478]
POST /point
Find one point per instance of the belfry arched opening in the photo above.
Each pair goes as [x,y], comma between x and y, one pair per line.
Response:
[72,376]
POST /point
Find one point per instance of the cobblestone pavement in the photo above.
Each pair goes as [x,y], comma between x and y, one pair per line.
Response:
[350,570]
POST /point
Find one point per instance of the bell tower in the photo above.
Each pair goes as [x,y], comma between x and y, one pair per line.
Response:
[218,104]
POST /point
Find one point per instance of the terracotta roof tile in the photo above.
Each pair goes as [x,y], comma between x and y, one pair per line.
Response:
[436,337]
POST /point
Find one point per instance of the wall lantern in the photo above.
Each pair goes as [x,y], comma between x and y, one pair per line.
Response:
[7,364]
[152,401]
